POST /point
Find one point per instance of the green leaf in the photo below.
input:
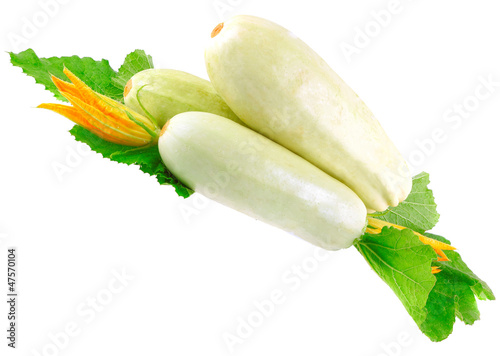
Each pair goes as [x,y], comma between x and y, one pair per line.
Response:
[135,62]
[99,76]
[404,263]
[418,212]
[96,74]
[453,296]
[433,300]
[147,158]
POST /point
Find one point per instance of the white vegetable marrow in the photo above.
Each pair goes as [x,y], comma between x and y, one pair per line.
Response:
[281,88]
[244,170]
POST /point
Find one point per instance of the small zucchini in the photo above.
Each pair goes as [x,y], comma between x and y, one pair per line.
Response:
[244,170]
[164,93]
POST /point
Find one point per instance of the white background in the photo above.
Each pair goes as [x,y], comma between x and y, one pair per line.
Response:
[194,279]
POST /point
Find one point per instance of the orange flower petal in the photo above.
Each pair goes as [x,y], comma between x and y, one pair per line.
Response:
[118,108]
[78,117]
[434,243]
[110,127]
[435,270]
[442,255]
[84,92]
[70,112]
[116,123]
[64,87]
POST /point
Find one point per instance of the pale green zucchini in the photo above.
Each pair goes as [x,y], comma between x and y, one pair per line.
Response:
[281,88]
[244,170]
[164,93]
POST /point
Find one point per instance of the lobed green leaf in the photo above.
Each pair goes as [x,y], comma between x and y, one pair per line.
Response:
[453,296]
[98,75]
[404,263]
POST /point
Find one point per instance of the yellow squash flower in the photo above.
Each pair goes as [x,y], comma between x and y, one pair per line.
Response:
[103,116]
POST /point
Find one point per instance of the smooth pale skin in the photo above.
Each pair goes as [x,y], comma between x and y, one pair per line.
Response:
[167,92]
[244,170]
[281,88]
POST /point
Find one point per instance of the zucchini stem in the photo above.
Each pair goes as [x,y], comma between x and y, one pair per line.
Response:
[148,114]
